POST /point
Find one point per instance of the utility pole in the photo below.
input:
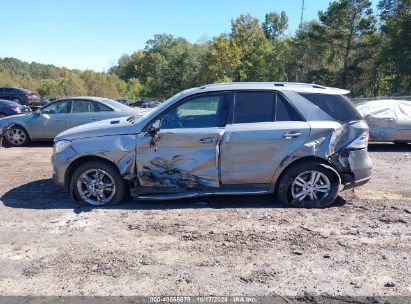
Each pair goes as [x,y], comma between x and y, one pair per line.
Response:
[302,14]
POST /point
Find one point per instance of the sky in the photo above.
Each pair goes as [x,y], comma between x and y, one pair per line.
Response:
[93,34]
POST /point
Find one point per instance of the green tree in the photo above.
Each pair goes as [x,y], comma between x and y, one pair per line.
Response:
[275,25]
[343,25]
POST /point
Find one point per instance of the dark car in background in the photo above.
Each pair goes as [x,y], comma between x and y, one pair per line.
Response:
[8,108]
[19,95]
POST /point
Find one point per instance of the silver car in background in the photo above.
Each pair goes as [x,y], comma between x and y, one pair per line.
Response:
[58,116]
[301,142]
[389,120]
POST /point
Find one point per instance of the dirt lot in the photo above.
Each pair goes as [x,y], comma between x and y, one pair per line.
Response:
[208,246]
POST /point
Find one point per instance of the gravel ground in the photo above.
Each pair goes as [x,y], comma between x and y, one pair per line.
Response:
[208,246]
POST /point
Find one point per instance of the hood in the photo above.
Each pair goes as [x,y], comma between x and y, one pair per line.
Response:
[109,127]
[15,119]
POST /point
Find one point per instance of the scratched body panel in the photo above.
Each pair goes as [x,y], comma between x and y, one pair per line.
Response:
[181,160]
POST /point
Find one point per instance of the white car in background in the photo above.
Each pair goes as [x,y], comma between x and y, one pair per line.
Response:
[389,120]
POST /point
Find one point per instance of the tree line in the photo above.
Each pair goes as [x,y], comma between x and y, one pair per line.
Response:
[348,46]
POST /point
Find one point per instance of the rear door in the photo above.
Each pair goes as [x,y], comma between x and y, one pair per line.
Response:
[83,111]
[265,129]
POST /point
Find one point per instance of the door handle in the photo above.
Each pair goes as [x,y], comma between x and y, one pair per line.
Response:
[292,134]
[207,140]
[93,118]
[58,119]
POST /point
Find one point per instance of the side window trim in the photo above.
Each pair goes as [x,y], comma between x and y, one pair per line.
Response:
[226,95]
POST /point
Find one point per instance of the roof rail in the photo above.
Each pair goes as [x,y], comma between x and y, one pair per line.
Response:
[277,84]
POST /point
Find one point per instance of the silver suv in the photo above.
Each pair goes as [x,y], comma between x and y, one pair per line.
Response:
[300,142]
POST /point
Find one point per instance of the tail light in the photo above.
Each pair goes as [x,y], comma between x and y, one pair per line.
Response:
[29,95]
[16,109]
[360,142]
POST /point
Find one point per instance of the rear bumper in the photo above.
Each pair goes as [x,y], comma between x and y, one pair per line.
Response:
[360,165]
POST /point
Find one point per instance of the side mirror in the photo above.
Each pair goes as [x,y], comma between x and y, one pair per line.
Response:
[154,128]
[37,113]
[152,131]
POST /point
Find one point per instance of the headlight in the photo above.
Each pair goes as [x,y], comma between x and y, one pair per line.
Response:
[61,145]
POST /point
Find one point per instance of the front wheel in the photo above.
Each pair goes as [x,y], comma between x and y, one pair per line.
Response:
[308,185]
[97,183]
[16,136]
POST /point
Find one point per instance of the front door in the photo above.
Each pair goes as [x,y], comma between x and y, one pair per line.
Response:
[265,130]
[186,155]
[50,120]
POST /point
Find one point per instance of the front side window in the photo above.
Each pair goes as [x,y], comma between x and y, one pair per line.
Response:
[83,106]
[58,107]
[198,112]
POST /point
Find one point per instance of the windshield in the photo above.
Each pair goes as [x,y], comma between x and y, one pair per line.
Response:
[162,106]
[338,107]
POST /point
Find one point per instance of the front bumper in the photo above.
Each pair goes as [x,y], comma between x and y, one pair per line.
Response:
[61,161]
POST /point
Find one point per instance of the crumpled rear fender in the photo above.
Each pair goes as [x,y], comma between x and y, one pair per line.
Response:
[328,142]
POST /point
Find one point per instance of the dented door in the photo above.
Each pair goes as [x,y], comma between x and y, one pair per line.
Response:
[186,150]
[250,153]
[183,159]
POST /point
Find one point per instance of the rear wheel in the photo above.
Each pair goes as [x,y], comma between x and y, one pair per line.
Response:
[308,185]
[97,183]
[16,136]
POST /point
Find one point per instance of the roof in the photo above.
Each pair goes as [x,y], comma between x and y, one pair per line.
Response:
[279,86]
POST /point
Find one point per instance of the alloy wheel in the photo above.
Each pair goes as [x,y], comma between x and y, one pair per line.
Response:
[310,185]
[16,137]
[96,187]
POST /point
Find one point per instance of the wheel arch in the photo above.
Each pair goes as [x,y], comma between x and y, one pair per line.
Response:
[82,160]
[20,126]
[315,159]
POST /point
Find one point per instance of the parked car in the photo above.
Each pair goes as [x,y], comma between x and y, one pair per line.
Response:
[389,120]
[137,104]
[57,116]
[8,108]
[19,95]
[123,101]
[298,141]
[150,104]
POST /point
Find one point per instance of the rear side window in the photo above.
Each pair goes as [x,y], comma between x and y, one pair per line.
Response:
[82,106]
[338,107]
[251,107]
[254,107]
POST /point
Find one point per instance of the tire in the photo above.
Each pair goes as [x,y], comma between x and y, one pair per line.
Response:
[2,115]
[17,136]
[86,191]
[291,191]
